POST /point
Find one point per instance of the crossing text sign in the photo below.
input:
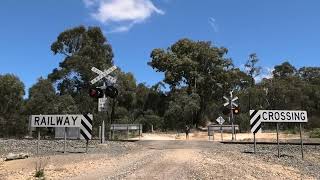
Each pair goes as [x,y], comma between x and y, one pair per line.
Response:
[274,116]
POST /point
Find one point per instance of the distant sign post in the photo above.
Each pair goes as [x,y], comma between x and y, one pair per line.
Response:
[220,120]
[277,116]
[231,102]
[102,102]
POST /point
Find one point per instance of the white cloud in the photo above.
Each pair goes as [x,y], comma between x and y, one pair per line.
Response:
[212,22]
[123,13]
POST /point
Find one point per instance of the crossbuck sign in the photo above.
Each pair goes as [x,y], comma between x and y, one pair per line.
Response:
[104,74]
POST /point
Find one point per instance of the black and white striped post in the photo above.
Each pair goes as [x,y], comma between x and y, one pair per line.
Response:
[86,128]
[255,125]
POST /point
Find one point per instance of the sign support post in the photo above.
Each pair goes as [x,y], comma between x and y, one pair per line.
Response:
[87,144]
[278,140]
[38,143]
[231,103]
[102,136]
[100,133]
[301,140]
[254,143]
[220,120]
[65,140]
[221,132]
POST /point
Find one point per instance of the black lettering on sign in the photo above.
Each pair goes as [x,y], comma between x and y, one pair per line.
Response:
[264,117]
[59,120]
[270,116]
[52,124]
[36,120]
[276,116]
[283,117]
[74,120]
[43,121]
[302,116]
[288,116]
[66,121]
[296,116]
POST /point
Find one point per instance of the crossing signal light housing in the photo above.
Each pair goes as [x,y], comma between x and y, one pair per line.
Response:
[111,92]
[236,110]
[95,92]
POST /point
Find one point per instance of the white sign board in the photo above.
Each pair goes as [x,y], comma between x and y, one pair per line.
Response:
[102,104]
[56,120]
[220,120]
[275,116]
[283,116]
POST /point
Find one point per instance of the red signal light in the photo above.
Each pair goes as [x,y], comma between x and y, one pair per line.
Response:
[95,92]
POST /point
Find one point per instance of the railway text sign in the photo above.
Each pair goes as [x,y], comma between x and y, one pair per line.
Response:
[56,120]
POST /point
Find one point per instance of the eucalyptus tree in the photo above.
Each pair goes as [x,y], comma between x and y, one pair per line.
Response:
[198,67]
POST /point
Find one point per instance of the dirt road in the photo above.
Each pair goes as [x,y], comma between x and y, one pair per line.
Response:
[170,160]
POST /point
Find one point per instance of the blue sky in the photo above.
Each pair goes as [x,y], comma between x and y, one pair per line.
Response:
[275,30]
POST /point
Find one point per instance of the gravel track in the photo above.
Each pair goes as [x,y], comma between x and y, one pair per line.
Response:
[174,159]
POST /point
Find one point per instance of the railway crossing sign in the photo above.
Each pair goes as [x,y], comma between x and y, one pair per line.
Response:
[230,101]
[220,120]
[275,116]
[107,90]
[104,74]
[83,121]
